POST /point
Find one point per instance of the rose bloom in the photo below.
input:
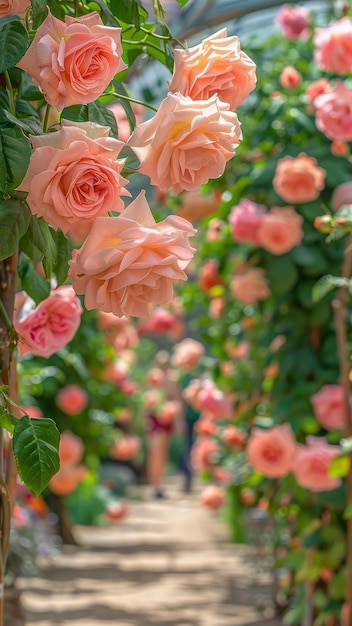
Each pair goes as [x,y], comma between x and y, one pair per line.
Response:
[317,88]
[168,412]
[216,308]
[48,327]
[202,454]
[72,399]
[250,286]
[187,354]
[156,377]
[245,219]
[186,143]
[208,275]
[161,321]
[73,62]
[339,148]
[271,452]
[129,263]
[213,401]
[311,465]
[216,66]
[333,47]
[290,77]
[33,411]
[328,406]
[298,179]
[280,230]
[71,448]
[334,112]
[294,21]
[233,437]
[126,448]
[342,195]
[73,174]
[205,426]
[67,479]
[212,497]
[12,7]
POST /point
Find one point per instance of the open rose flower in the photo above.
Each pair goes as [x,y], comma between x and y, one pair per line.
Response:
[245,219]
[250,284]
[187,354]
[333,112]
[186,143]
[129,263]
[72,399]
[271,452]
[71,448]
[294,21]
[213,497]
[290,77]
[67,479]
[311,465]
[328,406]
[216,66]
[73,61]
[12,7]
[333,52]
[280,230]
[298,179]
[48,327]
[73,175]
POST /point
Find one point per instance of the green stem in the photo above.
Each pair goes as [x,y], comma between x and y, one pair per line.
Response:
[5,316]
[162,37]
[46,118]
[10,93]
[143,41]
[145,104]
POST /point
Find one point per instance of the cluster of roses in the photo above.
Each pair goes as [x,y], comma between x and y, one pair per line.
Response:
[128,264]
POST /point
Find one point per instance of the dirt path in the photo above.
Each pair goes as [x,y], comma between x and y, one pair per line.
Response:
[168,564]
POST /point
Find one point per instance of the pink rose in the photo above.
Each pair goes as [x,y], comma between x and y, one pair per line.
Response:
[208,275]
[204,453]
[280,230]
[71,448]
[73,175]
[290,77]
[168,412]
[67,479]
[249,285]
[271,452]
[333,51]
[72,399]
[212,401]
[342,195]
[129,263]
[156,377]
[298,179]
[245,219]
[33,411]
[187,354]
[311,465]
[205,426]
[161,321]
[328,407]
[334,112]
[48,327]
[12,7]
[74,61]
[213,497]
[317,88]
[186,143]
[233,437]
[126,448]
[216,66]
[294,21]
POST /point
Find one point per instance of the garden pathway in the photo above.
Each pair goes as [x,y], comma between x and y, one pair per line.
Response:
[169,563]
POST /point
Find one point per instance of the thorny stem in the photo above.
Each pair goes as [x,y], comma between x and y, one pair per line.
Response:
[341,315]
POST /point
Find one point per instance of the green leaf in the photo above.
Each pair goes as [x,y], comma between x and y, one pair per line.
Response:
[62,257]
[326,284]
[129,11]
[14,221]
[15,152]
[7,420]
[14,42]
[32,282]
[339,466]
[93,112]
[35,444]
[30,124]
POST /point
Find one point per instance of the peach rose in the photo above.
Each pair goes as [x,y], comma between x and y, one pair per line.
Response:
[280,230]
[168,412]
[217,307]
[233,437]
[212,400]
[73,175]
[126,448]
[186,143]
[72,62]
[290,77]
[204,453]
[328,407]
[216,66]
[71,448]
[129,263]
[271,452]
[205,426]
[333,112]
[339,148]
[72,399]
[245,219]
[48,327]
[311,465]
[12,7]
[212,497]
[342,195]
[249,285]
[294,21]
[156,377]
[317,88]
[333,47]
[208,275]
[187,354]
[67,479]
[298,179]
